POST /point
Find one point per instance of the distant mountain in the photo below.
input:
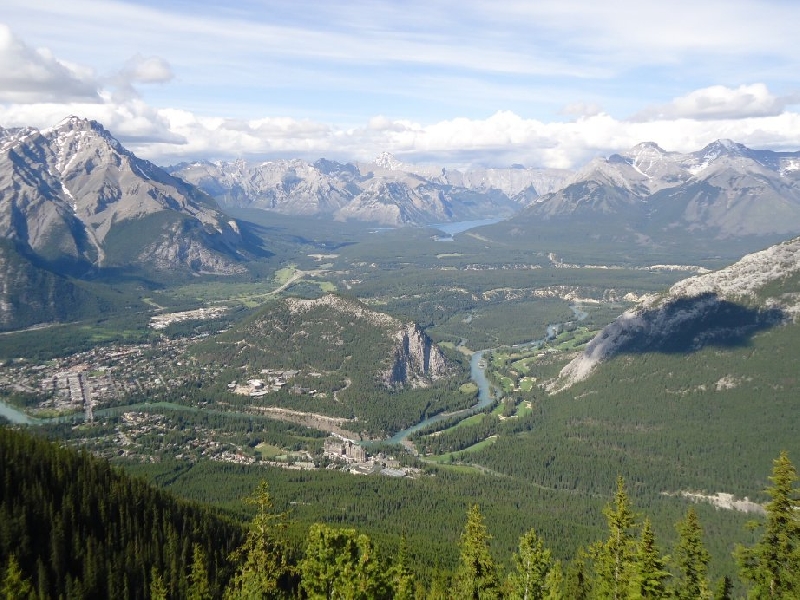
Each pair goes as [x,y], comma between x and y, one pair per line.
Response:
[724,190]
[73,198]
[387,191]
[723,307]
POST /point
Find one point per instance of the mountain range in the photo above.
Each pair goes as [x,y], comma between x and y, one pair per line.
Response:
[724,190]
[75,203]
[385,191]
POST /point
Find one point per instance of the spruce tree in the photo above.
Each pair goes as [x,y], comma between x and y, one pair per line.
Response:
[476,577]
[648,575]
[402,578]
[158,591]
[614,557]
[532,563]
[14,585]
[199,588]
[341,563]
[772,566]
[262,558]
[691,558]
[577,584]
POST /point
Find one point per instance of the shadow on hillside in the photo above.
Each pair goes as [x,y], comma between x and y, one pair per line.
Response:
[689,324]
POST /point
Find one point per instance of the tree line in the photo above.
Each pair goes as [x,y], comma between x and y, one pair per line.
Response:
[72,527]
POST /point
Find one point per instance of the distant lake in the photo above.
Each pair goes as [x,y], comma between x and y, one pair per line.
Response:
[451,229]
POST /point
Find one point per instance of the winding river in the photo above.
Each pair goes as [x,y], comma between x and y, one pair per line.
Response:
[486,394]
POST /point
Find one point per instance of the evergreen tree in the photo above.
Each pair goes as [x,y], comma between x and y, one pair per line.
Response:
[648,576]
[614,557]
[199,588]
[772,566]
[692,559]
[402,578]
[554,583]
[532,563]
[262,558]
[577,585]
[341,563]
[476,577]
[724,589]
[158,591]
[15,586]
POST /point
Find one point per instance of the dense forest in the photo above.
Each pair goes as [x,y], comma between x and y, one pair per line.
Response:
[71,526]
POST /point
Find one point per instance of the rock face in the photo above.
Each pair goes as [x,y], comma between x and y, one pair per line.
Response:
[722,307]
[417,360]
[413,359]
[725,189]
[73,195]
[387,191]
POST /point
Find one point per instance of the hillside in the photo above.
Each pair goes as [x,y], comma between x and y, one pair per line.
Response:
[336,357]
[692,390]
[80,529]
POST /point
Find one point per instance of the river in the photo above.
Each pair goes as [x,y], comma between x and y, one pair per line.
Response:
[477,367]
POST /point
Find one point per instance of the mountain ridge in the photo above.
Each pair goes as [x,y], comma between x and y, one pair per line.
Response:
[740,292]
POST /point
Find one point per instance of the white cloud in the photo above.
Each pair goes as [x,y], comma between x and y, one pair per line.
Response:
[31,76]
[150,69]
[719,102]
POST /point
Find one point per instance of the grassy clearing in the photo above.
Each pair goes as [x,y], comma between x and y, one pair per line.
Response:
[282,276]
[526,384]
[268,451]
[468,388]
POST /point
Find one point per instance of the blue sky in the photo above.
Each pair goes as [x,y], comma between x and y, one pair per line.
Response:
[538,82]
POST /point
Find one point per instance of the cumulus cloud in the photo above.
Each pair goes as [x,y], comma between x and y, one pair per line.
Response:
[29,75]
[720,102]
[149,69]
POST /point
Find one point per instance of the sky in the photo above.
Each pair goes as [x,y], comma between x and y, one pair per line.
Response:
[543,83]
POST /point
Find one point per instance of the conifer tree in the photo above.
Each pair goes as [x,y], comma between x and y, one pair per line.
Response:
[402,578]
[341,563]
[691,558]
[476,577]
[614,557]
[199,588]
[554,583]
[577,585]
[262,558]
[724,589]
[648,575]
[15,586]
[772,566]
[532,563]
[158,591]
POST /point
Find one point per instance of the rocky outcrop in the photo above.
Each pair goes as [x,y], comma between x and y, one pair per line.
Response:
[417,360]
[722,307]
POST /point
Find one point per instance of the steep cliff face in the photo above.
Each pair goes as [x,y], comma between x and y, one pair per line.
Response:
[417,360]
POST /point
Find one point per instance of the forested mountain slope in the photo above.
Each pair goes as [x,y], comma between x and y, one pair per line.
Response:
[335,356]
[80,529]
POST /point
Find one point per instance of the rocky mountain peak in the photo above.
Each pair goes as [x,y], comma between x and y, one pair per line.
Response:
[387,160]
